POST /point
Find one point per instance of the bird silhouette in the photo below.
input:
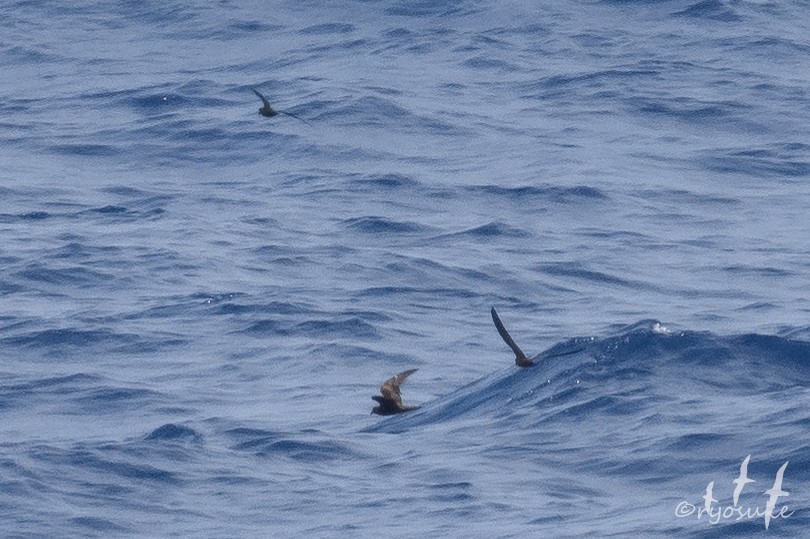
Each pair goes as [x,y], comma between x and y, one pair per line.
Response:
[269,111]
[520,358]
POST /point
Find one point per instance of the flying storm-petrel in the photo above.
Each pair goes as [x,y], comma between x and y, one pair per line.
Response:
[391,400]
[268,110]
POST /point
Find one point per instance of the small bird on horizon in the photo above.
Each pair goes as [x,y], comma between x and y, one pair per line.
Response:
[268,111]
[391,400]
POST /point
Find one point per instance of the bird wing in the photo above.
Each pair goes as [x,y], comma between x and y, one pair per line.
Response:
[390,388]
[520,357]
[293,115]
[264,99]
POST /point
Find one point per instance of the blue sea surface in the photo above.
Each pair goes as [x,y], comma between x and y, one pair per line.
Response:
[197,302]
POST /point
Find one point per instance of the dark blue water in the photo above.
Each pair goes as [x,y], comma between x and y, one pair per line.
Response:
[197,302]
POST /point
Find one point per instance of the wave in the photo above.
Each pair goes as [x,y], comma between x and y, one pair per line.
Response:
[551,193]
[633,373]
[311,447]
[713,10]
[779,161]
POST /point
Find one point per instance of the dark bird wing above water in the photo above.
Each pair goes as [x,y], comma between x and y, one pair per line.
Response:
[520,358]
[391,400]
[292,116]
[265,102]
[390,388]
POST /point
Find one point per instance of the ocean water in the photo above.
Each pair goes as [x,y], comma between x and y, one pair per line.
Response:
[197,302]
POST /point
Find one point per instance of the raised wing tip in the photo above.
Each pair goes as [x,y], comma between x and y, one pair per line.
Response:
[520,358]
[399,379]
[258,93]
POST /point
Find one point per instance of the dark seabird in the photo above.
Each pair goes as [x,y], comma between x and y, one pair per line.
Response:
[269,111]
[520,358]
[391,401]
